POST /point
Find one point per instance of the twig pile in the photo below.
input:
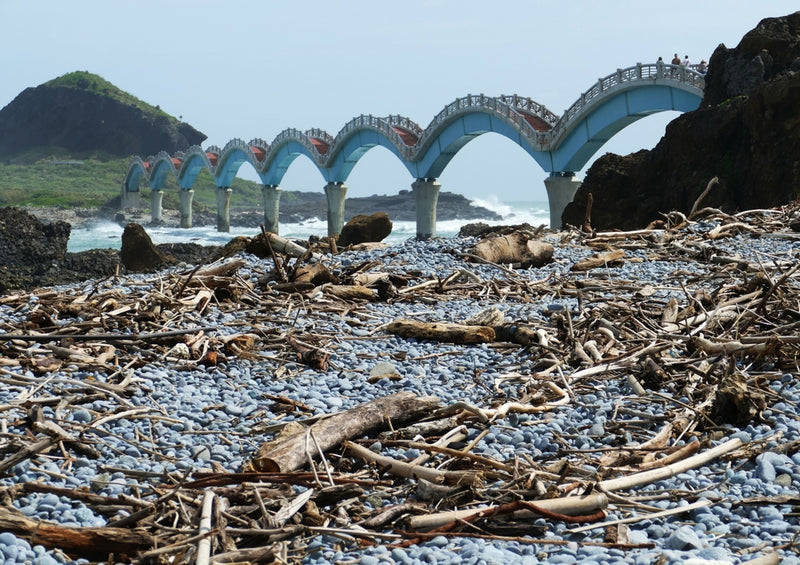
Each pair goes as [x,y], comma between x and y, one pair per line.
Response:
[704,350]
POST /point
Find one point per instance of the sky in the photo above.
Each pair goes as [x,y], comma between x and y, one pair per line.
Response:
[252,68]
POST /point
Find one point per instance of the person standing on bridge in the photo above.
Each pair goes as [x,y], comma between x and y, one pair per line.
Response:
[675,61]
[702,68]
[686,61]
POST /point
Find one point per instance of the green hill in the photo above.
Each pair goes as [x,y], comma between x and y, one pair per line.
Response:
[59,179]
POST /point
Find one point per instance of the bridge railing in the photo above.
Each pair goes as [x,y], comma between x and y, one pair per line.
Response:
[405,123]
[640,72]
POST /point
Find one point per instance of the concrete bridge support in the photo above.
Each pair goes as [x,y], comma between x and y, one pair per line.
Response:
[224,208]
[156,196]
[561,189]
[186,197]
[272,198]
[131,199]
[335,193]
[426,196]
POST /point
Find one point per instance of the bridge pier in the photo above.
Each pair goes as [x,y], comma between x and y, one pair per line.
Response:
[131,199]
[561,189]
[335,193]
[426,196]
[271,194]
[156,196]
[186,197]
[224,208]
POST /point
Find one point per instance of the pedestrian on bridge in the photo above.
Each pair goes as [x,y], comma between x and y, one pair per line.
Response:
[686,61]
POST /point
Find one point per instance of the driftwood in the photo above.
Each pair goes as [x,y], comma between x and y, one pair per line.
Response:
[599,260]
[293,452]
[516,248]
[439,331]
[702,348]
[97,542]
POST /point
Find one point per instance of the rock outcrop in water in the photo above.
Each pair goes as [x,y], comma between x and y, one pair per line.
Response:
[35,254]
[746,132]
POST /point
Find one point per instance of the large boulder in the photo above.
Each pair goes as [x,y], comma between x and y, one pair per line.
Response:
[363,229]
[746,132]
[138,253]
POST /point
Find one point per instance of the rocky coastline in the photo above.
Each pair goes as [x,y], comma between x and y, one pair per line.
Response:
[33,240]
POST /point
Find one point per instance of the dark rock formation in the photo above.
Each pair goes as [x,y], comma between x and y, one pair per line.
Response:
[35,254]
[84,118]
[138,253]
[400,207]
[746,132]
[363,229]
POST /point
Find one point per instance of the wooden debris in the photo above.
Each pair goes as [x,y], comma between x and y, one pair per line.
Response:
[702,349]
[374,416]
[517,248]
[440,331]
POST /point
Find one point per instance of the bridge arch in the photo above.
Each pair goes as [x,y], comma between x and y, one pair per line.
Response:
[615,102]
[395,133]
[560,145]
[286,147]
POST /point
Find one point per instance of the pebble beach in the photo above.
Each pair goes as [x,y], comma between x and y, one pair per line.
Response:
[556,417]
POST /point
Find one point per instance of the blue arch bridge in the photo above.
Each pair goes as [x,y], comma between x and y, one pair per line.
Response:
[561,145]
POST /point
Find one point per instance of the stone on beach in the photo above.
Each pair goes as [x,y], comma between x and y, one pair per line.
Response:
[138,253]
[364,229]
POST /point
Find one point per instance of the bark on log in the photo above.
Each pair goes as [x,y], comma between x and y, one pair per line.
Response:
[439,331]
[350,292]
[292,453]
[286,246]
[514,248]
[599,260]
[88,543]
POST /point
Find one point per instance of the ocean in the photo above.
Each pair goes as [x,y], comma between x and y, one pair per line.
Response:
[107,234]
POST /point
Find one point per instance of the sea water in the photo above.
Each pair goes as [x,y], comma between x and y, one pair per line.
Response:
[105,234]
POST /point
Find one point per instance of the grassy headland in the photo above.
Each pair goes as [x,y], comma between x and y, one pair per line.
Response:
[52,178]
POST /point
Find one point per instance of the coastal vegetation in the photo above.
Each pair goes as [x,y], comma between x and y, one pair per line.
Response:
[84,80]
[49,177]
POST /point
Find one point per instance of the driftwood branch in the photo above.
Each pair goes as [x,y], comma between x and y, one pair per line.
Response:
[292,453]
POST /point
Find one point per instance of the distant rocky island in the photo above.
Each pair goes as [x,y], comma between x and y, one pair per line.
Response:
[298,207]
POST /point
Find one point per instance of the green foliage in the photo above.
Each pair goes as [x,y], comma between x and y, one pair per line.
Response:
[84,80]
[66,181]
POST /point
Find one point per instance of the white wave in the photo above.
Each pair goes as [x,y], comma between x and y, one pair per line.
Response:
[106,234]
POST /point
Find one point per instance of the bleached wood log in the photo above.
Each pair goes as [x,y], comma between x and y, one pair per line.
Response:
[411,471]
[646,477]
[516,247]
[291,453]
[598,260]
[569,505]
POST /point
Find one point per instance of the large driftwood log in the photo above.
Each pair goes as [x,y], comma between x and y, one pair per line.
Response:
[89,543]
[515,248]
[439,331]
[293,452]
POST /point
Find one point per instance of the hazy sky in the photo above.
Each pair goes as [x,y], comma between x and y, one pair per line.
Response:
[248,68]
